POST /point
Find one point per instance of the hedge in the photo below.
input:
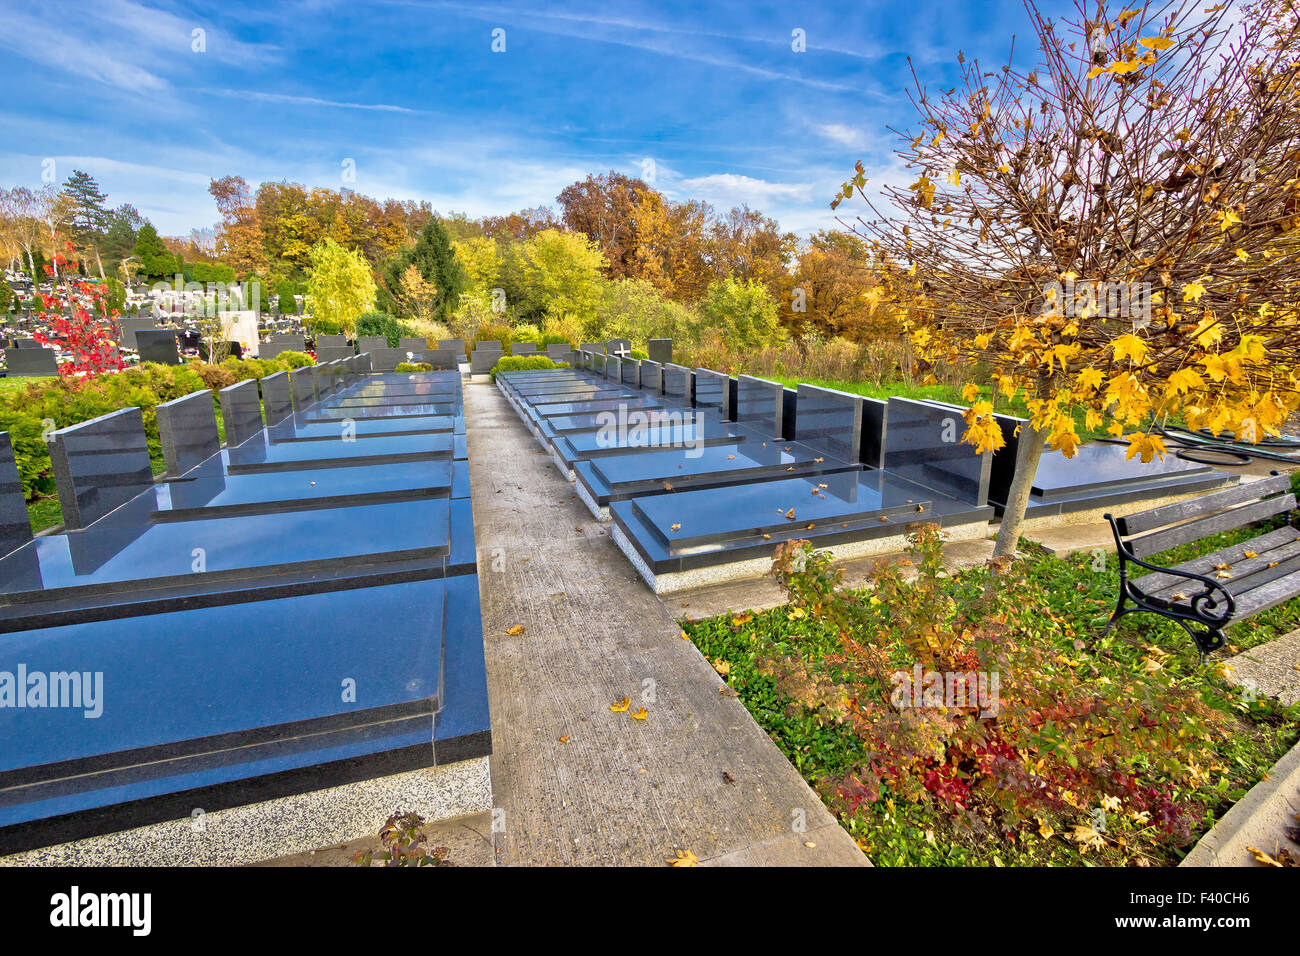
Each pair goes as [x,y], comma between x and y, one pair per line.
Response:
[525,363]
[52,403]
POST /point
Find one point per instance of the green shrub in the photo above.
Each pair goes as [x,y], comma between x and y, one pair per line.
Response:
[493,333]
[6,296]
[552,338]
[413,367]
[295,359]
[381,323]
[525,363]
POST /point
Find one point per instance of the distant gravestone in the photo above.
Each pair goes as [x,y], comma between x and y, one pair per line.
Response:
[523,348]
[652,377]
[488,345]
[591,347]
[158,345]
[661,350]
[558,352]
[187,430]
[482,361]
[412,344]
[15,525]
[455,345]
[368,343]
[332,353]
[443,360]
[330,341]
[289,343]
[100,465]
[241,412]
[130,325]
[386,360]
[276,397]
[619,347]
[37,362]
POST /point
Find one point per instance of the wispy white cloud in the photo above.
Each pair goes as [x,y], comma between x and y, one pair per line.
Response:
[258,96]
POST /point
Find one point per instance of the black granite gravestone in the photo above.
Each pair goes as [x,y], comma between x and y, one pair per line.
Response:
[523,348]
[759,405]
[619,347]
[559,351]
[241,412]
[15,525]
[923,444]
[830,421]
[31,363]
[331,353]
[302,385]
[679,383]
[330,341]
[652,377]
[411,343]
[454,345]
[713,392]
[277,398]
[130,325]
[158,345]
[661,350]
[368,343]
[99,465]
[187,430]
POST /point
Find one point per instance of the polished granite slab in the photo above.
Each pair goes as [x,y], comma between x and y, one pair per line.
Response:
[241,411]
[629,371]
[326,412]
[295,429]
[923,444]
[261,454]
[756,459]
[132,554]
[31,363]
[712,527]
[157,714]
[652,376]
[15,524]
[211,492]
[684,431]
[99,465]
[187,429]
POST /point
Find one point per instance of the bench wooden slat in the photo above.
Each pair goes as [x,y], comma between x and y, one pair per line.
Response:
[1280,544]
[1190,531]
[1270,595]
[1244,580]
[1203,504]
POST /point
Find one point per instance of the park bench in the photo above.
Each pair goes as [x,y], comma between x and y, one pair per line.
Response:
[1208,593]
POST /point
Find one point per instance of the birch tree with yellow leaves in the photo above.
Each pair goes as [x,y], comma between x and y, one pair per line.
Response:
[1110,235]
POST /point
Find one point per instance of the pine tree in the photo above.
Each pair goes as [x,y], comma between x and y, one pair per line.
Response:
[437,264]
[87,217]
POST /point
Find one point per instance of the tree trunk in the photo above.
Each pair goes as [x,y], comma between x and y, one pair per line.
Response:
[1028,452]
[99,262]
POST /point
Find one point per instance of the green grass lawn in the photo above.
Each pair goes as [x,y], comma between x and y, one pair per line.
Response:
[902,833]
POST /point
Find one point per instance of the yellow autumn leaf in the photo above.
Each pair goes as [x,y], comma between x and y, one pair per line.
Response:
[1145,446]
[1129,346]
[621,706]
[515,631]
[1193,291]
[683,858]
[1156,43]
[640,714]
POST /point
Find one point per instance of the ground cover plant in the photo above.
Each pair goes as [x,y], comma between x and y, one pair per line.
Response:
[947,722]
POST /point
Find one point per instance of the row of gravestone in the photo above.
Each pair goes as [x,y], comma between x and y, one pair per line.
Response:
[101,463]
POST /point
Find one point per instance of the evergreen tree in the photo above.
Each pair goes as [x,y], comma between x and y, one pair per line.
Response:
[87,217]
[437,264]
[155,261]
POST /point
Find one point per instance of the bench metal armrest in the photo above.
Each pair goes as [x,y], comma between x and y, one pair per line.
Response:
[1205,607]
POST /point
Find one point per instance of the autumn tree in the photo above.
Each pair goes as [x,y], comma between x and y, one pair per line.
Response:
[1107,234]
[605,209]
[87,218]
[340,287]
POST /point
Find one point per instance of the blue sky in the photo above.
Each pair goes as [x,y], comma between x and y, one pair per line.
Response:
[712,101]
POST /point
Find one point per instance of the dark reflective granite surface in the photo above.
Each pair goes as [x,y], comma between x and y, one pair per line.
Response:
[100,464]
[830,421]
[241,412]
[923,444]
[15,525]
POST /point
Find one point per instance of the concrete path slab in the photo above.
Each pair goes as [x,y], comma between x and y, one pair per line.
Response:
[1272,669]
[575,783]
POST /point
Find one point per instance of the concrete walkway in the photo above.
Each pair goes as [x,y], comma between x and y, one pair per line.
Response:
[574,782]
